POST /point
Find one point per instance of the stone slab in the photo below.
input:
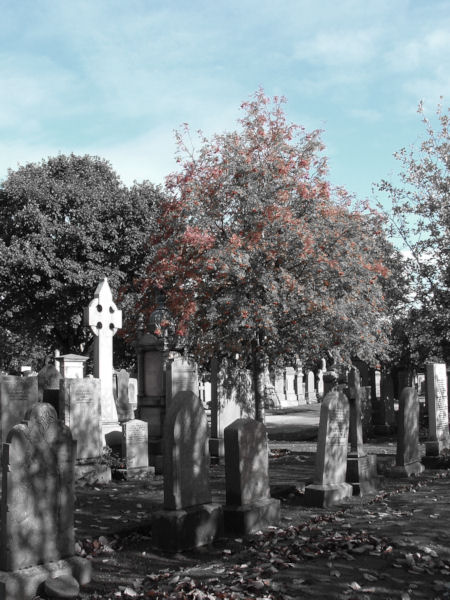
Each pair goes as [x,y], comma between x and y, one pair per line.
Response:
[179,530]
[245,519]
[327,494]
[24,584]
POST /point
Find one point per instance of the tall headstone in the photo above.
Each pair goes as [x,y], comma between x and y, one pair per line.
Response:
[310,391]
[320,382]
[104,319]
[17,395]
[299,384]
[37,505]
[437,400]
[249,506]
[125,410]
[224,409]
[280,392]
[189,519]
[291,396]
[329,485]
[361,467]
[408,453]
[135,448]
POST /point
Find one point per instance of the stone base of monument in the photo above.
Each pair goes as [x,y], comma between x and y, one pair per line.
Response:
[92,472]
[399,471]
[25,584]
[179,530]
[362,474]
[155,455]
[291,399]
[436,447]
[241,520]
[326,494]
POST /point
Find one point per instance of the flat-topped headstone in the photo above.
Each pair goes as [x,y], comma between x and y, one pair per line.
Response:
[437,400]
[71,366]
[249,505]
[17,395]
[37,497]
[80,411]
[329,484]
[189,519]
[408,451]
[104,319]
[291,395]
[135,447]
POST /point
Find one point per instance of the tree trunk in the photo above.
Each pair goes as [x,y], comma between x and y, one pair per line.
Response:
[257,372]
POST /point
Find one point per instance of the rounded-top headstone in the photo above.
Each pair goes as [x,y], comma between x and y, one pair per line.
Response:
[64,586]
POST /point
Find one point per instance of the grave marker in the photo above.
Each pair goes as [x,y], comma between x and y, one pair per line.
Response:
[125,410]
[437,399]
[17,395]
[135,448]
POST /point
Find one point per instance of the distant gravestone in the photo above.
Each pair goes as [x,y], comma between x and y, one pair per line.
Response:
[17,395]
[37,505]
[182,376]
[71,366]
[361,467]
[291,396]
[104,319]
[310,391]
[249,506]
[299,385]
[437,399]
[329,485]
[48,385]
[125,410]
[279,388]
[80,411]
[133,393]
[135,448]
[188,519]
[408,455]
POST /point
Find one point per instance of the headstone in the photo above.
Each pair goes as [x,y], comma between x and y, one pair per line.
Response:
[48,385]
[224,410]
[437,400]
[291,396]
[249,506]
[279,387]
[133,393]
[17,395]
[189,519]
[182,376]
[361,467]
[387,398]
[125,410]
[37,506]
[310,391]
[320,382]
[329,485]
[408,454]
[135,448]
[379,413]
[104,319]
[71,366]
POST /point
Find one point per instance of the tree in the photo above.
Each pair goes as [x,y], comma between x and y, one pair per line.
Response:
[65,223]
[421,217]
[260,260]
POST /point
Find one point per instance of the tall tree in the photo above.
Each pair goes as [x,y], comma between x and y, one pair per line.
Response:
[259,258]
[421,217]
[65,223]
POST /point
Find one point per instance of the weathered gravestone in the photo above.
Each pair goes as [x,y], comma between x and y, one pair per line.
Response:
[17,395]
[125,410]
[291,396]
[135,448]
[299,384]
[437,400]
[224,409]
[80,408]
[279,388]
[408,453]
[249,506]
[189,519]
[182,376]
[310,391]
[361,467]
[329,485]
[48,385]
[71,366]
[37,506]
[104,319]
[379,409]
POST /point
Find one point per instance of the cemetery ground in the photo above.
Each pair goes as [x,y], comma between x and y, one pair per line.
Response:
[390,544]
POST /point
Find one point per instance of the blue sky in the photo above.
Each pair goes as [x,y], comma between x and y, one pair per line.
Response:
[115,78]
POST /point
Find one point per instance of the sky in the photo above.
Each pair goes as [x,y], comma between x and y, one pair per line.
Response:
[115,79]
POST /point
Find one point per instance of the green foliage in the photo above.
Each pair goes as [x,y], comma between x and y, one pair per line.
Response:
[257,255]
[421,218]
[65,223]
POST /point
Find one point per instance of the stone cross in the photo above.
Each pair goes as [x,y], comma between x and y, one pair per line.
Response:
[104,319]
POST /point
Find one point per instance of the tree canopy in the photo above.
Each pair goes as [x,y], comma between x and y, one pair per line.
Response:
[421,218]
[256,252]
[65,223]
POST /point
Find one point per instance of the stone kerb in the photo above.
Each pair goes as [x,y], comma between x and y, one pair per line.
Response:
[189,519]
[329,484]
[37,506]
[249,506]
[437,400]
